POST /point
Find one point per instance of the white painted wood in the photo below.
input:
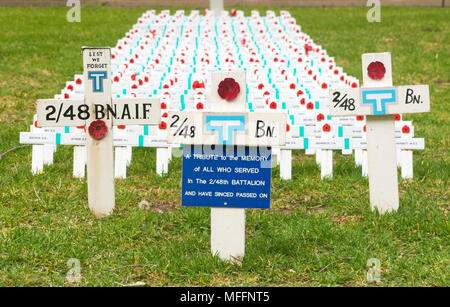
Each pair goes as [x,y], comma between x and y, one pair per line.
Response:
[406,99]
[365,164]
[48,154]
[399,157]
[276,154]
[228,233]
[191,127]
[162,160]
[79,161]
[286,164]
[326,159]
[381,149]
[310,151]
[382,166]
[358,157]
[216,6]
[407,164]
[120,162]
[136,111]
[100,160]
[169,153]
[326,164]
[129,154]
[318,156]
[37,159]
[228,224]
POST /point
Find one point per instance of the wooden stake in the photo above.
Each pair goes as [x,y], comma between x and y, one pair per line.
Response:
[100,160]
[79,161]
[382,167]
[286,164]
[228,233]
[216,6]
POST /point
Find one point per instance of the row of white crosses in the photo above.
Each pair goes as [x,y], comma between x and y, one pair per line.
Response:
[291,67]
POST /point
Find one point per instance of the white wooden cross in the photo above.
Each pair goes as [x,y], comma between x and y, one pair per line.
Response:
[379,100]
[191,128]
[216,6]
[98,112]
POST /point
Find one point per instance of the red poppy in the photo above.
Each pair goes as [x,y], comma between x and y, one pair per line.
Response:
[228,89]
[360,117]
[397,117]
[163,105]
[165,114]
[78,81]
[66,96]
[326,128]
[324,86]
[354,85]
[405,129]
[376,70]
[98,129]
[163,125]
[364,128]
[273,105]
[199,106]
[197,84]
[260,86]
[121,127]
[233,13]
[302,101]
[70,87]
[292,86]
[288,127]
[310,106]
[116,79]
[300,92]
[320,117]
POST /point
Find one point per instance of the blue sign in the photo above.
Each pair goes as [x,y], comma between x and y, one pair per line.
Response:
[379,99]
[226,176]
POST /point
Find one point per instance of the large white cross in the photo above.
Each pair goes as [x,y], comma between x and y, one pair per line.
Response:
[98,107]
[379,100]
[258,129]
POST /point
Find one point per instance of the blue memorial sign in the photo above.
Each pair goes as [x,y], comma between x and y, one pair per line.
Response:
[226,176]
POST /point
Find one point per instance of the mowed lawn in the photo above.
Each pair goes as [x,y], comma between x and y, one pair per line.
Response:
[319,233]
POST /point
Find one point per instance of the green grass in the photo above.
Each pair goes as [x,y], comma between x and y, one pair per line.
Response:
[303,241]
